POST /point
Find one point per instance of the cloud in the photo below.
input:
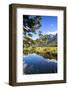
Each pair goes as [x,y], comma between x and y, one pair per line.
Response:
[51,32]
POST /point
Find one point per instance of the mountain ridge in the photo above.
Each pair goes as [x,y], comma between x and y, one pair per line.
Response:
[51,40]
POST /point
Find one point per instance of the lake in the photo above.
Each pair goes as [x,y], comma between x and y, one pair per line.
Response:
[36,64]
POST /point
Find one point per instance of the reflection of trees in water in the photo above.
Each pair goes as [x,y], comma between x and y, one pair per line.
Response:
[32,69]
[45,55]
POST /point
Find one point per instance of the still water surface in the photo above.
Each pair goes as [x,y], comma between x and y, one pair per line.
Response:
[36,64]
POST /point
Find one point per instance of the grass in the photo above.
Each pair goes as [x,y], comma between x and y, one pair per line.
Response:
[49,52]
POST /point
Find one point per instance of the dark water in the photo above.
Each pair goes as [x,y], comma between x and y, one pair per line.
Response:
[36,64]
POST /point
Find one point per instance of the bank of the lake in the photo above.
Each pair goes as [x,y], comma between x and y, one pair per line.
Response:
[47,52]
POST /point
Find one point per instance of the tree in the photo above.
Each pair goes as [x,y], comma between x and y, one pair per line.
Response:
[42,40]
[40,34]
[27,41]
[30,25]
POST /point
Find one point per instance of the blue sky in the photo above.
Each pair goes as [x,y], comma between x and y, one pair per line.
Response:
[49,26]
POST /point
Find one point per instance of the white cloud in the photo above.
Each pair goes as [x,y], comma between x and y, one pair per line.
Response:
[51,32]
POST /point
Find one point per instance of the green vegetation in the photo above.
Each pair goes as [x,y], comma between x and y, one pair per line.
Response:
[30,25]
[48,52]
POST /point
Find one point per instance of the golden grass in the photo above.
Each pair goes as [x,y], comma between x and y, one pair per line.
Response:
[50,52]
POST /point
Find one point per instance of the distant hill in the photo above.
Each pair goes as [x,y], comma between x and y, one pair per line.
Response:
[52,40]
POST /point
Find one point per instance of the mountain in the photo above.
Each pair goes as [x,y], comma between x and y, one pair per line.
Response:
[52,40]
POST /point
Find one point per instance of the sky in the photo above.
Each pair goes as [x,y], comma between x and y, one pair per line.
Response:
[49,26]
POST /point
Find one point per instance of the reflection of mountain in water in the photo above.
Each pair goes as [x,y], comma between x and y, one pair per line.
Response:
[36,64]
